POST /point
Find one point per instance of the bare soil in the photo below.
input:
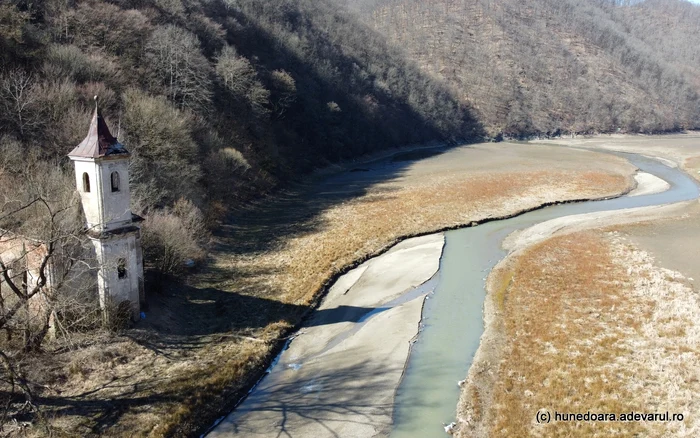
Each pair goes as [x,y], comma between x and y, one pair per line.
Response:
[683,149]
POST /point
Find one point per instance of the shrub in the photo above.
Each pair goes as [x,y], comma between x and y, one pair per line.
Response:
[284,91]
[68,61]
[170,237]
[234,160]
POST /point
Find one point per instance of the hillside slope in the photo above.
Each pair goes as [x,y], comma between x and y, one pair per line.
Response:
[210,96]
[552,66]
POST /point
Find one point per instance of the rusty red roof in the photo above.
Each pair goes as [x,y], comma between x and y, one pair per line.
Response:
[99,141]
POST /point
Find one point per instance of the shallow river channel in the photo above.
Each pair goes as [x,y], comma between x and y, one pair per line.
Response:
[452,320]
[452,315]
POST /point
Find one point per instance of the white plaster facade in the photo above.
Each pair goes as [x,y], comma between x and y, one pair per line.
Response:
[105,209]
[120,277]
[102,179]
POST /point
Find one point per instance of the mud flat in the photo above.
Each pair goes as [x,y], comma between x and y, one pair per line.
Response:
[673,241]
[681,149]
[339,374]
[647,309]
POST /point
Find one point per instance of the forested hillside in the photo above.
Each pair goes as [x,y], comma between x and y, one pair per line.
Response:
[556,66]
[215,99]
[219,99]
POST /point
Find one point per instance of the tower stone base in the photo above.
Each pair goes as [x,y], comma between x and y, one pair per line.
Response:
[120,276]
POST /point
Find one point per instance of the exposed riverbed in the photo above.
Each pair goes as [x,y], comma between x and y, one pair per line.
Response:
[452,318]
[306,395]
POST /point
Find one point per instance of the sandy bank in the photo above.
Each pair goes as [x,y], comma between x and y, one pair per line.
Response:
[648,184]
[569,224]
[338,377]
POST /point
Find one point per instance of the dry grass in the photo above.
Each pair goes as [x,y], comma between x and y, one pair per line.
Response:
[369,224]
[692,166]
[590,325]
[174,388]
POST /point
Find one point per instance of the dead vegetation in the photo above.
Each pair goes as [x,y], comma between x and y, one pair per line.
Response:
[692,166]
[202,345]
[293,271]
[587,324]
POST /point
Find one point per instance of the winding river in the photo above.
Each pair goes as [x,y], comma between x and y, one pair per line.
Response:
[452,321]
[452,316]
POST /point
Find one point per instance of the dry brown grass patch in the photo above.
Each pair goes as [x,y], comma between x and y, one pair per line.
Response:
[585,332]
[172,384]
[692,166]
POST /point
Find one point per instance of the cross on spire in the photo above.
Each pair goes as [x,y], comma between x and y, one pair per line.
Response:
[99,141]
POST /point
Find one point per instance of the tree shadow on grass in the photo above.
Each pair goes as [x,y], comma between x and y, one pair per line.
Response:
[186,317]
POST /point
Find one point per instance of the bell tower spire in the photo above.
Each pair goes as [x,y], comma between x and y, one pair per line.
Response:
[102,179]
[102,176]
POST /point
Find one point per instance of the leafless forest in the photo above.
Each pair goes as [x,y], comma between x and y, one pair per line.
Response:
[221,102]
[557,67]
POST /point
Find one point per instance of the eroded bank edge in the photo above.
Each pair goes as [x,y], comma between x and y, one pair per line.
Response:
[478,382]
[236,397]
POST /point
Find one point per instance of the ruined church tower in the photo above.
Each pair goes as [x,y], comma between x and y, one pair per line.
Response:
[102,178]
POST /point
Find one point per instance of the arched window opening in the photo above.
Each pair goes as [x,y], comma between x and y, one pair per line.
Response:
[86,182]
[121,268]
[115,181]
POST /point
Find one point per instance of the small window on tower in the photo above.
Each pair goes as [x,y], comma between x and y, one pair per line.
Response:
[86,183]
[115,181]
[121,268]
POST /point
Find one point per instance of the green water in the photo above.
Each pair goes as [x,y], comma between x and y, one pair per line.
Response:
[452,316]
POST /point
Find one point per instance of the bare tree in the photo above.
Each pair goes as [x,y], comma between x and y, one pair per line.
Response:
[164,163]
[17,100]
[285,92]
[43,265]
[240,78]
[176,60]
